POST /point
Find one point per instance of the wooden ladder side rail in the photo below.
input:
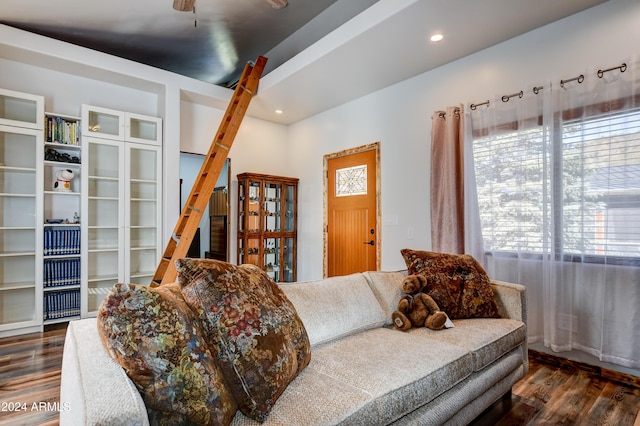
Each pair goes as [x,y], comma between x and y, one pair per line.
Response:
[191,215]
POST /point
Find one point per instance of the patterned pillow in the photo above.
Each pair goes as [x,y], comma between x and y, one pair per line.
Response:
[457,282]
[262,344]
[154,336]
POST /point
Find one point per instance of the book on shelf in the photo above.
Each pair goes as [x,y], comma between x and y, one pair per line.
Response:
[61,272]
[61,241]
[61,130]
[61,304]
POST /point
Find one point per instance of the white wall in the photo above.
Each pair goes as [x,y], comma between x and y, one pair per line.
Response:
[399,117]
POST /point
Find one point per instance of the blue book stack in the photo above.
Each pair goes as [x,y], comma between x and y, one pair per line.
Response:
[60,272]
[61,241]
[61,304]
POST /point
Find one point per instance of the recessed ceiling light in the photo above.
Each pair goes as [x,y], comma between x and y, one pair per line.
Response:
[437,37]
[279,111]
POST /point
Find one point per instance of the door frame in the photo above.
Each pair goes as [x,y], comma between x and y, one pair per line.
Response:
[325,217]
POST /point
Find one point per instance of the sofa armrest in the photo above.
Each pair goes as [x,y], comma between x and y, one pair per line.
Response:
[511,300]
[94,389]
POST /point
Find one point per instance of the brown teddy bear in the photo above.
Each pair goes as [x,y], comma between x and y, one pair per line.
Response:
[417,309]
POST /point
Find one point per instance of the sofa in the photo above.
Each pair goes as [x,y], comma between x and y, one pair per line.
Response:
[362,370]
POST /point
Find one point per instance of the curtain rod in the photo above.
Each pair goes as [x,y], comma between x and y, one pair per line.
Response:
[442,114]
[536,89]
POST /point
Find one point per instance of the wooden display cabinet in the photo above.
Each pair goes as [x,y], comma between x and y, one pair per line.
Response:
[267,224]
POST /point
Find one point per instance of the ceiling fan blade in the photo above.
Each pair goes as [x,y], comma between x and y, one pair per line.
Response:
[278,4]
[183,5]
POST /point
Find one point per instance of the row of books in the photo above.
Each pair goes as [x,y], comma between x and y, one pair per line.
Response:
[60,130]
[61,241]
[61,304]
[61,272]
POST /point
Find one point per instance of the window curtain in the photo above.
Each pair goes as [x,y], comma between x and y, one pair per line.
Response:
[557,182]
[447,181]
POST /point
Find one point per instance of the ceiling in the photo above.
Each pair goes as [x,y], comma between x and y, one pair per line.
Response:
[321,53]
[211,43]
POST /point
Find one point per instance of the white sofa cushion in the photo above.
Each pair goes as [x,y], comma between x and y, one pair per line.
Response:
[335,307]
[486,338]
[370,378]
[387,286]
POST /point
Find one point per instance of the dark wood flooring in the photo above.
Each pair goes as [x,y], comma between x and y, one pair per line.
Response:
[554,392]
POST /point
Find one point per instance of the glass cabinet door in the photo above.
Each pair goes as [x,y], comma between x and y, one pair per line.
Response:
[143,196]
[101,220]
[271,261]
[272,207]
[289,252]
[253,208]
[242,197]
[143,129]
[289,208]
[20,262]
[102,122]
[21,109]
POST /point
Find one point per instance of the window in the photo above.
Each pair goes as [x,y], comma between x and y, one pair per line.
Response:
[351,181]
[575,195]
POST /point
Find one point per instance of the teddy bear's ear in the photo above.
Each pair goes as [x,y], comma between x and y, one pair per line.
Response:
[422,279]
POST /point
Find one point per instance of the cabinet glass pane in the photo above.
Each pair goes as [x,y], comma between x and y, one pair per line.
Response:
[143,190]
[272,258]
[17,241]
[142,213]
[143,265]
[17,150]
[272,207]
[288,249]
[241,199]
[103,238]
[143,129]
[143,237]
[17,305]
[105,123]
[102,212]
[253,215]
[18,109]
[17,272]
[102,265]
[17,181]
[250,253]
[143,164]
[17,211]
[97,290]
[103,160]
[103,187]
[289,206]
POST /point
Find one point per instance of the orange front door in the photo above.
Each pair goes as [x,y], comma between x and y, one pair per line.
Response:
[351,213]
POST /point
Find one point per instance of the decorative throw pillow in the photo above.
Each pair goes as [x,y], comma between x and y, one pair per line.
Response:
[457,282]
[262,343]
[154,336]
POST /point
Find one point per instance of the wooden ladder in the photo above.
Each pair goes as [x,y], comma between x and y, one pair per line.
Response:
[189,220]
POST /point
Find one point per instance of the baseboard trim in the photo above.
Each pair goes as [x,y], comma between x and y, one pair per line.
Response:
[605,373]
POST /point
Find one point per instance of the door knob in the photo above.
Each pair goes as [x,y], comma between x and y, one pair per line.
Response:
[371,243]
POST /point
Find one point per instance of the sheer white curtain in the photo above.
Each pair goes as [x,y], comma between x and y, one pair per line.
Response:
[557,182]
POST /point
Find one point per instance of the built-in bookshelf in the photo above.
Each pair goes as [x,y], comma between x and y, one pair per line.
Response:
[62,262]
[81,209]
